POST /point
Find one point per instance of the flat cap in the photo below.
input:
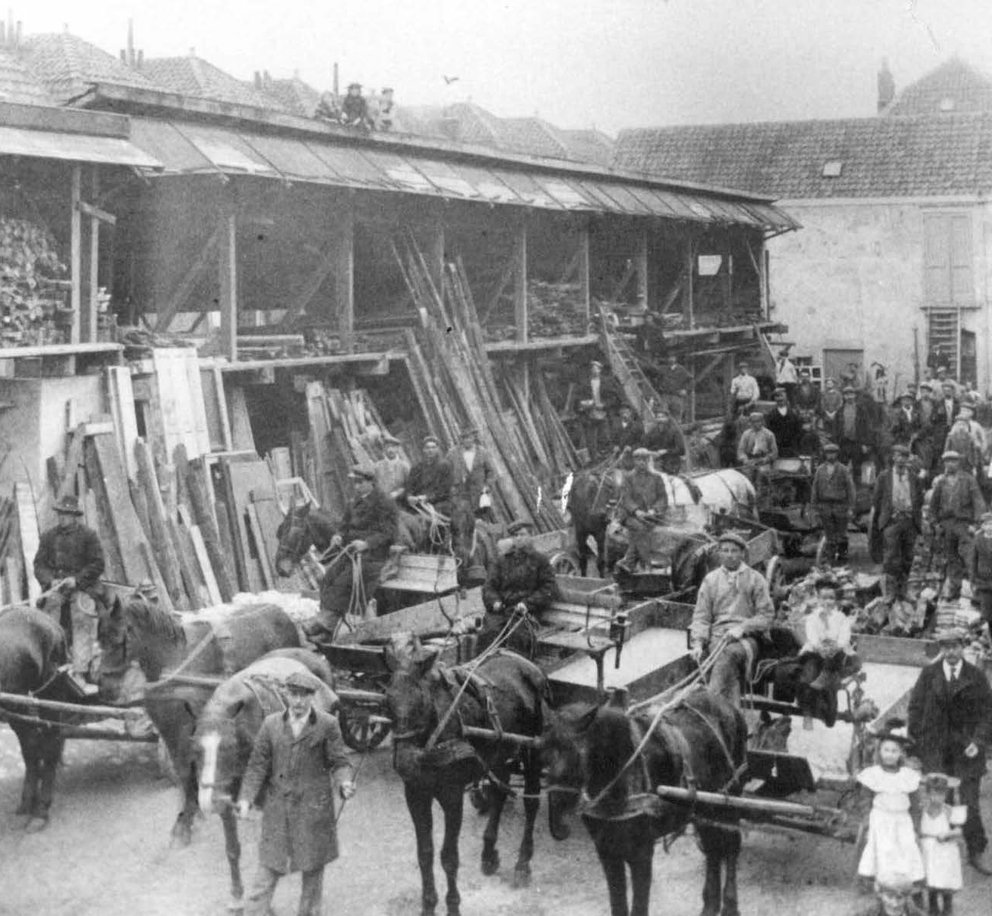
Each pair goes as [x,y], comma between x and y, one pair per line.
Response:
[642,452]
[596,362]
[848,388]
[360,472]
[926,385]
[756,415]
[68,505]
[895,884]
[522,524]
[940,781]
[908,394]
[951,634]
[951,455]
[779,390]
[831,447]
[302,682]
[732,537]
[900,449]
[431,439]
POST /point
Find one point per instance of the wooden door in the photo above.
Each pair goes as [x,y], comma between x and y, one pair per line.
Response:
[837,363]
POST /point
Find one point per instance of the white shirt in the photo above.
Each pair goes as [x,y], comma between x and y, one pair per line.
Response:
[745,388]
[835,625]
[787,373]
[468,456]
[594,384]
[296,724]
[952,673]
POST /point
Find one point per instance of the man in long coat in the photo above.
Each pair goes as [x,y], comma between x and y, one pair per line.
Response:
[473,476]
[897,510]
[368,529]
[521,581]
[643,501]
[950,722]
[785,424]
[297,756]
[430,479]
[956,506]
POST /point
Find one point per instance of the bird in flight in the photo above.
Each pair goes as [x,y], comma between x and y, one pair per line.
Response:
[450,79]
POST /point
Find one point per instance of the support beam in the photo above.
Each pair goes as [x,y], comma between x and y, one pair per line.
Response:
[344,276]
[641,266]
[227,270]
[185,288]
[434,250]
[76,249]
[584,268]
[689,284]
[90,266]
[520,312]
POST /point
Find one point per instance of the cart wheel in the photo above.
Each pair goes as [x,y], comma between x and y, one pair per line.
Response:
[564,563]
[359,733]
[775,574]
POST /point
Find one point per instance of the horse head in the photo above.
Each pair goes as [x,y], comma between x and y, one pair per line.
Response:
[136,629]
[222,743]
[294,537]
[410,699]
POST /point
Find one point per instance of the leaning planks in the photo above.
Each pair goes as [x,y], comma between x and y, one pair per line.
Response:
[181,412]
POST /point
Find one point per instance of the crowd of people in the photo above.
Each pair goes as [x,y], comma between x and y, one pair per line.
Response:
[369,112]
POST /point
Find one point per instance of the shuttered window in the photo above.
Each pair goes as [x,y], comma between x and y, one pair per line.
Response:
[947,260]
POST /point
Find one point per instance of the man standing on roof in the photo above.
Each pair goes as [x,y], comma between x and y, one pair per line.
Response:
[733,609]
[68,566]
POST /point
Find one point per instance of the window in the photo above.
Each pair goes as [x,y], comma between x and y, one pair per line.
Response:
[947,260]
[832,168]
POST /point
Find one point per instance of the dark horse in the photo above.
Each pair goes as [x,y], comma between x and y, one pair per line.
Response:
[32,647]
[505,691]
[226,730]
[700,742]
[199,650]
[590,504]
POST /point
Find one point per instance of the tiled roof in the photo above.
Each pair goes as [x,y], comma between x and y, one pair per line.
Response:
[928,155]
[18,84]
[953,86]
[532,136]
[588,145]
[68,66]
[293,95]
[196,77]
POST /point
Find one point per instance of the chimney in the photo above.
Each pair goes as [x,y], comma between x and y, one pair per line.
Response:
[17,35]
[337,93]
[141,60]
[886,86]
[130,42]
[257,79]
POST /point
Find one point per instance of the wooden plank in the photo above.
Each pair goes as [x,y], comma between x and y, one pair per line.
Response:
[197,410]
[263,555]
[188,565]
[13,589]
[73,463]
[429,617]
[215,408]
[236,490]
[221,561]
[227,271]
[226,539]
[241,434]
[75,249]
[206,568]
[120,397]
[27,521]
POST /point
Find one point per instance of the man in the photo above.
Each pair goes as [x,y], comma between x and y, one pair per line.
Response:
[960,440]
[906,422]
[785,424]
[521,584]
[980,570]
[68,564]
[599,398]
[944,378]
[955,505]
[851,431]
[744,391]
[897,513]
[676,381]
[667,442]
[732,604]
[951,726]
[392,470]
[925,403]
[807,397]
[831,399]
[832,498]
[369,527]
[297,756]
[628,434]
[786,374]
[757,450]
[387,110]
[355,110]
[472,479]
[643,501]
[431,479]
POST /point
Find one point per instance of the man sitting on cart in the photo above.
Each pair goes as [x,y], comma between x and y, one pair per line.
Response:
[68,565]
[428,485]
[757,451]
[521,584]
[367,531]
[643,501]
[733,610]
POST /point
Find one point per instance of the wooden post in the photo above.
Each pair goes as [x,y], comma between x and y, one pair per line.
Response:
[227,266]
[690,273]
[585,285]
[520,283]
[90,266]
[344,276]
[728,289]
[435,251]
[641,261]
[766,306]
[75,249]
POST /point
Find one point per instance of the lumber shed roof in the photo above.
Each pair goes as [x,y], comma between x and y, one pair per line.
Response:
[189,148]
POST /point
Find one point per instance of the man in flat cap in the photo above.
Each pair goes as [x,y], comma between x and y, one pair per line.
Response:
[896,521]
[599,398]
[785,424]
[832,497]
[666,442]
[68,566]
[297,757]
[392,470]
[956,504]
[521,584]
[951,726]
[431,479]
[980,569]
[906,423]
[733,610]
[757,450]
[643,501]
[368,528]
[960,440]
[744,391]
[852,431]
[473,478]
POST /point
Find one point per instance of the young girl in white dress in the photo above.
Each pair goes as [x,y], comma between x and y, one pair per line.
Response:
[891,844]
[940,840]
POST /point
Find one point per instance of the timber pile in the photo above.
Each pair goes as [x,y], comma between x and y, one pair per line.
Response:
[455,385]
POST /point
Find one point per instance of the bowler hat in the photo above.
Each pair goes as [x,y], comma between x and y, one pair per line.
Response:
[894,729]
[951,634]
[732,537]
[522,524]
[779,390]
[302,682]
[358,472]
[68,505]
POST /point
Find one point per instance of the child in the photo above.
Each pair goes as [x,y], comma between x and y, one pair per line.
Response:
[891,844]
[939,840]
[893,897]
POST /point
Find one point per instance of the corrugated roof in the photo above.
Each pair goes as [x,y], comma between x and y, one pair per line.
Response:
[18,84]
[197,77]
[68,66]
[953,86]
[187,148]
[47,144]
[926,155]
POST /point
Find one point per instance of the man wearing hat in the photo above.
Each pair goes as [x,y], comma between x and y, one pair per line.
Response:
[951,726]
[757,450]
[956,504]
[960,440]
[355,110]
[599,398]
[733,609]
[628,434]
[297,755]
[666,441]
[473,476]
[674,387]
[431,479]
[906,422]
[980,569]
[807,396]
[744,391]
[68,566]
[392,470]
[852,431]
[786,374]
[521,583]
[643,501]
[367,530]
[897,519]
[785,425]
[832,497]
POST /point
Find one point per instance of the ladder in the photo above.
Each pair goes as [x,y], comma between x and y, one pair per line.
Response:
[943,331]
[639,391]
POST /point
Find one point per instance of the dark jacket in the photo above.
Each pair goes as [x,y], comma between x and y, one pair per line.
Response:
[980,563]
[373,519]
[467,485]
[432,479]
[298,826]
[666,437]
[521,574]
[964,504]
[834,426]
[960,441]
[904,428]
[943,722]
[74,552]
[835,488]
[642,490]
[806,398]
[788,431]
[630,436]
[881,500]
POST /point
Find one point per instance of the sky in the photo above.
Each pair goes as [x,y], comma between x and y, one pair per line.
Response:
[608,64]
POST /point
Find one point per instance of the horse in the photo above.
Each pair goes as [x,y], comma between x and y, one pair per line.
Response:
[505,692]
[225,734]
[32,648]
[180,659]
[618,760]
[589,503]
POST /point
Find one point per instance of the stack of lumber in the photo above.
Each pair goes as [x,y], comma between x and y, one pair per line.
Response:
[456,387]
